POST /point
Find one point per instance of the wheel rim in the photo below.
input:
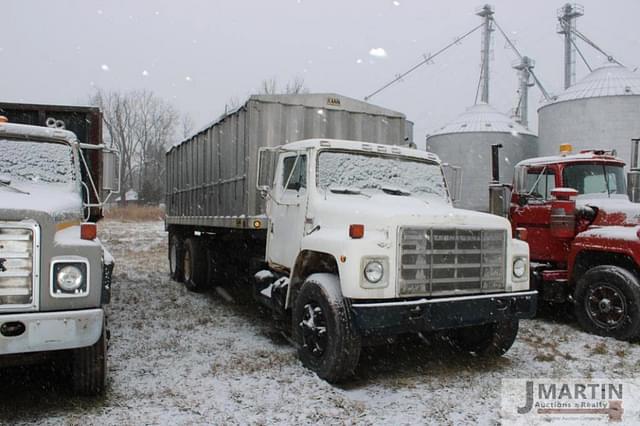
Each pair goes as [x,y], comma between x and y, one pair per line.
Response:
[606,306]
[314,329]
[186,267]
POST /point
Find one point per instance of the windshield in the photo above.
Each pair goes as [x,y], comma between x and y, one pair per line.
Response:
[595,179]
[377,172]
[36,162]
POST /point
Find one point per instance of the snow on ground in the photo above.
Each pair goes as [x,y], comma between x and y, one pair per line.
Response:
[183,358]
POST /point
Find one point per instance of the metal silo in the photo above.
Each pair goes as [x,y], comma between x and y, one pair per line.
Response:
[600,111]
[466,143]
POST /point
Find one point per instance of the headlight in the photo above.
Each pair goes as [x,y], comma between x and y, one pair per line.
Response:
[69,278]
[373,271]
[519,267]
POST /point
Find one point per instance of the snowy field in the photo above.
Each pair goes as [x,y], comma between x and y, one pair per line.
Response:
[181,358]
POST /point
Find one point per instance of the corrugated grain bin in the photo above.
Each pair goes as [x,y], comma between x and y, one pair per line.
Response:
[601,111]
[466,143]
[211,176]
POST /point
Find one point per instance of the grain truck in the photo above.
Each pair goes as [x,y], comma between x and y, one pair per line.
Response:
[350,237]
[583,231]
[55,275]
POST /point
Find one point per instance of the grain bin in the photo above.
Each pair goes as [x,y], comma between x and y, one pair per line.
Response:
[601,111]
[466,142]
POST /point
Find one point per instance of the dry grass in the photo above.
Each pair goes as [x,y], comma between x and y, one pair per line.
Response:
[133,213]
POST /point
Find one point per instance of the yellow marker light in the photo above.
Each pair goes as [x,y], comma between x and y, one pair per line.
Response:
[3,119]
[565,148]
[257,224]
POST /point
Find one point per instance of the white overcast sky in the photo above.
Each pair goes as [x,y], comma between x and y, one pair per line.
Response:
[200,54]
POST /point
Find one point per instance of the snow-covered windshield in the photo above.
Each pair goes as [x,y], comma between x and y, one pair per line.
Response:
[337,169]
[595,179]
[36,162]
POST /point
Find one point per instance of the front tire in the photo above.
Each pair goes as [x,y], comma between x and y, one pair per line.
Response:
[321,326]
[487,340]
[608,302]
[89,367]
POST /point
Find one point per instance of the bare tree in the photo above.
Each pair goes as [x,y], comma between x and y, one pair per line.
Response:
[141,125]
[187,125]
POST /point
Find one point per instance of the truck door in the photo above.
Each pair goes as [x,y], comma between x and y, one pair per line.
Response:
[287,209]
[534,213]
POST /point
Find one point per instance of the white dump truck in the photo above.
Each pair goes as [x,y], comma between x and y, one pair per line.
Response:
[353,240]
[55,275]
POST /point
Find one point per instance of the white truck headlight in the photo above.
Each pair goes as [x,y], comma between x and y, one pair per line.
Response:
[374,271]
[519,267]
[69,278]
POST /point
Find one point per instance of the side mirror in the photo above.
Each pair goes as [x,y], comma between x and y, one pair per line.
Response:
[266,170]
[110,171]
[453,179]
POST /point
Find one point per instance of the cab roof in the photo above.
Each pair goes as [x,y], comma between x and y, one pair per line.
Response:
[599,156]
[24,131]
[361,146]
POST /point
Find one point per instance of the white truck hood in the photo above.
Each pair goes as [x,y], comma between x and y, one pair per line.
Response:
[384,209]
[59,202]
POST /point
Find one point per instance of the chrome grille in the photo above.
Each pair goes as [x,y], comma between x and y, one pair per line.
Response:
[17,266]
[451,261]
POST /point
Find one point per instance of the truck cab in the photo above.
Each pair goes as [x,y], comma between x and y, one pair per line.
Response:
[582,231]
[363,242]
[55,274]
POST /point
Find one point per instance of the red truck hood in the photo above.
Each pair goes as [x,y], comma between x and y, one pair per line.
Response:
[617,210]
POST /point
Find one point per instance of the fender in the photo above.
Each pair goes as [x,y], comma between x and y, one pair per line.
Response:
[611,239]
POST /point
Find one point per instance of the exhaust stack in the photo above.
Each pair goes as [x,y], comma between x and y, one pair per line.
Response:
[633,177]
[498,197]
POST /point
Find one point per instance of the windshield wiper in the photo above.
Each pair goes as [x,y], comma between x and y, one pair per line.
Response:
[392,190]
[347,190]
[5,182]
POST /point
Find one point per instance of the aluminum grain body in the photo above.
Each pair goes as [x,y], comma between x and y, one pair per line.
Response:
[211,176]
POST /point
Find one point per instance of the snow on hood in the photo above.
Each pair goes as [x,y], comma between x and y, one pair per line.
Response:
[400,210]
[625,233]
[60,202]
[617,210]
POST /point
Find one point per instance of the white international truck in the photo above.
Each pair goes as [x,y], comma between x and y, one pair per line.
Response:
[352,240]
[55,275]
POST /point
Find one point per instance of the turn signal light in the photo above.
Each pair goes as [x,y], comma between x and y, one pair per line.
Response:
[3,119]
[88,231]
[356,231]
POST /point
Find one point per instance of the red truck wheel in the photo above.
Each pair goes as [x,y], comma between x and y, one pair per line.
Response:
[608,302]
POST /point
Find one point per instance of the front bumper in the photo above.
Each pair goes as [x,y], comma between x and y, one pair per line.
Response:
[51,331]
[395,317]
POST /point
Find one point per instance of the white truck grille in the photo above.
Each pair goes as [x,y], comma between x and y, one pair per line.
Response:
[451,261]
[18,266]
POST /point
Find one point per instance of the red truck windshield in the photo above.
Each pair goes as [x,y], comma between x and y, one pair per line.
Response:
[595,178]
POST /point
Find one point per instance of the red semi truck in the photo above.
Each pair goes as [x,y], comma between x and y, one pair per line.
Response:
[583,232]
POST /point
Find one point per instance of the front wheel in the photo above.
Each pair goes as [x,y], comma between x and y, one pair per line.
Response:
[608,302]
[321,327]
[487,340]
[89,367]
